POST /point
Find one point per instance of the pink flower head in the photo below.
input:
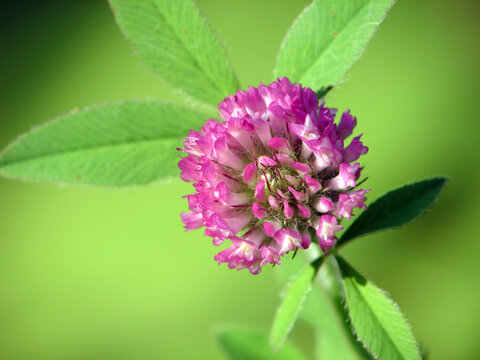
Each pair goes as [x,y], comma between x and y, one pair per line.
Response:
[273,176]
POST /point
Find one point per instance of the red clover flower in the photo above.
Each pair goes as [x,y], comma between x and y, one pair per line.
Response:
[273,175]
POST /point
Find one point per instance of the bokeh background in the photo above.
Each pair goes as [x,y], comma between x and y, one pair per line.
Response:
[91,273]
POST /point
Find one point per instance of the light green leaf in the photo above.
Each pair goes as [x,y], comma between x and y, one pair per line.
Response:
[376,319]
[291,305]
[129,143]
[175,40]
[324,312]
[248,344]
[335,339]
[395,208]
[327,38]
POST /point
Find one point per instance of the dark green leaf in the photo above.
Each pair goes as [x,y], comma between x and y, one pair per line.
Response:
[129,143]
[395,208]
[175,40]
[376,319]
[327,38]
[291,305]
[248,344]
[323,91]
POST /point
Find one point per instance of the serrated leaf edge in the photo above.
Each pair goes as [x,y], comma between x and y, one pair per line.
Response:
[352,327]
[316,264]
[74,111]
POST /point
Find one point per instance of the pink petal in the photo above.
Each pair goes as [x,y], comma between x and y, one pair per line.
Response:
[323,204]
[287,209]
[346,177]
[273,202]
[260,191]
[225,156]
[266,161]
[312,184]
[301,168]
[346,125]
[249,173]
[298,195]
[259,211]
[271,228]
[283,159]
[353,151]
[279,144]
[304,211]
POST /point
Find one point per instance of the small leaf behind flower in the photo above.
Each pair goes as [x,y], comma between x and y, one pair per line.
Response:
[324,90]
[376,319]
[125,143]
[291,305]
[175,40]
[249,344]
[395,208]
[327,38]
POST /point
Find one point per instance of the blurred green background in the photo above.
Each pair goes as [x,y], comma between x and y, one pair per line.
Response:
[109,274]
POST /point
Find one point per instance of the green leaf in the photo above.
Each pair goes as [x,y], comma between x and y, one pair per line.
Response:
[395,208]
[129,143]
[327,38]
[248,344]
[323,91]
[323,310]
[376,319]
[335,339]
[291,305]
[175,40]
